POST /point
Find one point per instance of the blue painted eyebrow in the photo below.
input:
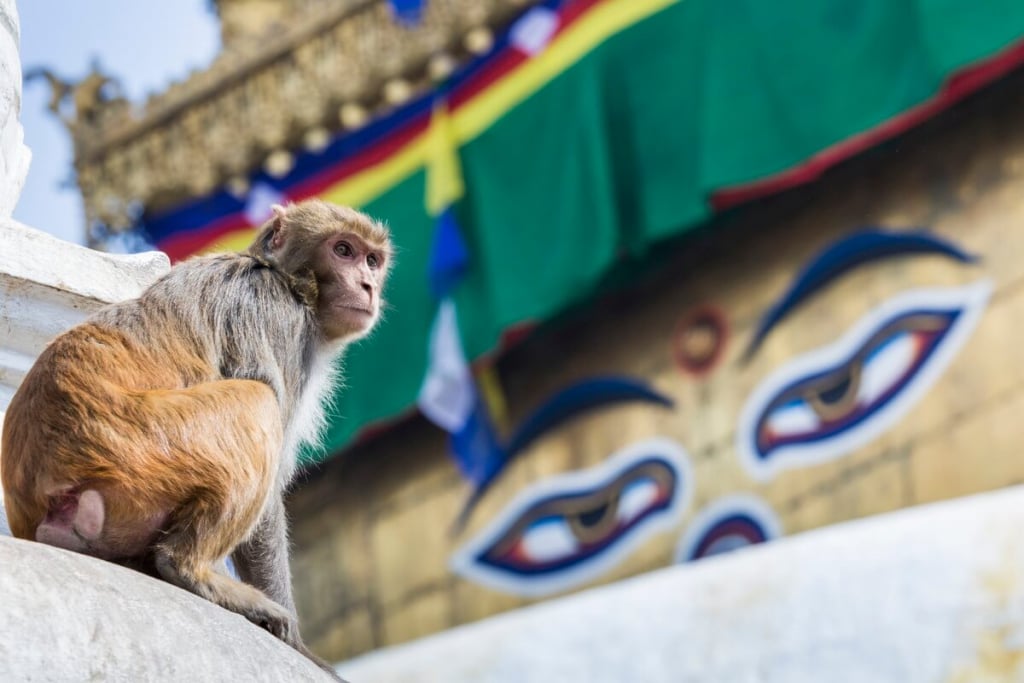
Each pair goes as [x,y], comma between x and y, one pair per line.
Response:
[841,257]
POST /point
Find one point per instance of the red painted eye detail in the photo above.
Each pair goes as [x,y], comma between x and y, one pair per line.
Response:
[343,249]
[373,261]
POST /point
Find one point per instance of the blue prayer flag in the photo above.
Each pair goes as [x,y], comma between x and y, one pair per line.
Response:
[448,257]
[475,446]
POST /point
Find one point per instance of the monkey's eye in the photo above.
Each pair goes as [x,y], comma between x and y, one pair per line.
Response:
[569,529]
[836,399]
[373,261]
[343,249]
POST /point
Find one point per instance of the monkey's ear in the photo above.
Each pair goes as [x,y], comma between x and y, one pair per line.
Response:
[276,226]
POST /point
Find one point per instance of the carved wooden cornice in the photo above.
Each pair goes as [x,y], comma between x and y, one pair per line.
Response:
[261,99]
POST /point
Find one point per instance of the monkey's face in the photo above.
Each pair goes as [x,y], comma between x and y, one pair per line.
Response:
[351,278]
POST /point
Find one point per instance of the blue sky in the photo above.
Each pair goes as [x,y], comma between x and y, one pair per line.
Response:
[145,43]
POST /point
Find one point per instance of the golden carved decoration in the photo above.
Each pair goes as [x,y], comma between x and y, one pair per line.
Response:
[316,139]
[479,40]
[397,91]
[278,87]
[441,66]
[238,186]
[279,163]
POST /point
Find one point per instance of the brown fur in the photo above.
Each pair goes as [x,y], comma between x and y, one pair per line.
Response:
[181,409]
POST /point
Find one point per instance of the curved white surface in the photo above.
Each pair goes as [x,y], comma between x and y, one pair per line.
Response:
[68,617]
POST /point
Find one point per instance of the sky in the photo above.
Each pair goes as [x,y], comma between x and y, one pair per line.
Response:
[146,44]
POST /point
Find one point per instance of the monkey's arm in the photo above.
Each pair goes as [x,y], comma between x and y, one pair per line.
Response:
[262,560]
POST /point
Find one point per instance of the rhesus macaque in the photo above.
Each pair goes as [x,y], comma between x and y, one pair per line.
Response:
[163,431]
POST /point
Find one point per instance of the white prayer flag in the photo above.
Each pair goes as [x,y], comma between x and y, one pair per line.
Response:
[447,394]
[534,30]
[259,202]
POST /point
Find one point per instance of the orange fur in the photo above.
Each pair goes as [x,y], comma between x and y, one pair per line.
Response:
[115,420]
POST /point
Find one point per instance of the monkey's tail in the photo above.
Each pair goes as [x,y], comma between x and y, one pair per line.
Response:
[301,647]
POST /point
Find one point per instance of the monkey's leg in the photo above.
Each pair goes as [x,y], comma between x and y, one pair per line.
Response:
[262,559]
[184,560]
[228,437]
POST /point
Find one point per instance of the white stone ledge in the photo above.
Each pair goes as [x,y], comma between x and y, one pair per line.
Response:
[47,285]
[68,617]
[933,593]
[31,255]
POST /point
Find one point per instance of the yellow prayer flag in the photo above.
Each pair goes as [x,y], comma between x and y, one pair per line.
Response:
[444,172]
[494,396]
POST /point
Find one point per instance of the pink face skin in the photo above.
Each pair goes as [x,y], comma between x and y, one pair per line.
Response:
[352,277]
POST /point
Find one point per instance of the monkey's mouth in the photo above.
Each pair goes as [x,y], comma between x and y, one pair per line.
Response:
[358,309]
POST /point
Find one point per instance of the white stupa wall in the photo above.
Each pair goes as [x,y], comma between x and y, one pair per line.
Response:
[14,155]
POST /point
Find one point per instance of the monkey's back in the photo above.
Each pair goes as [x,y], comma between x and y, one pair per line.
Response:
[217,317]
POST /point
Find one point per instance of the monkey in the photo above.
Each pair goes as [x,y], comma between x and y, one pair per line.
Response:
[163,431]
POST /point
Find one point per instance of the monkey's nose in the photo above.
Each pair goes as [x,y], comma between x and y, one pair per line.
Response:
[368,288]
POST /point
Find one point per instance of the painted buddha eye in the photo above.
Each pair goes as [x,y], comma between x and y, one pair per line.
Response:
[728,524]
[569,529]
[838,398]
[559,530]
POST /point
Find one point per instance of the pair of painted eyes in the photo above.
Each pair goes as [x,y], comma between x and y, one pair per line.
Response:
[570,529]
[345,250]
